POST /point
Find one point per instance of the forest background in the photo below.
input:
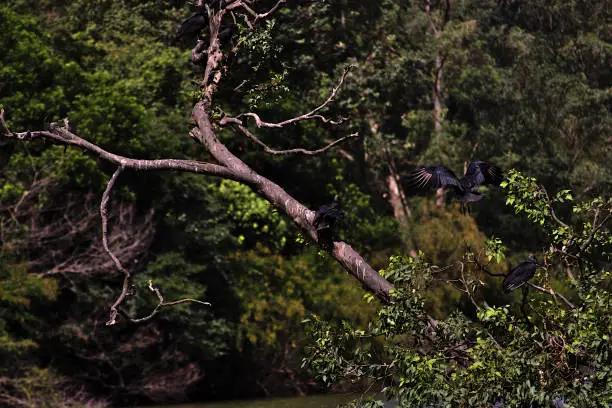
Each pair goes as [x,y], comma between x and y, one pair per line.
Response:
[524,85]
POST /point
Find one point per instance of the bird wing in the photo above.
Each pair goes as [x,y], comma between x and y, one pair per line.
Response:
[481,172]
[433,177]
[519,275]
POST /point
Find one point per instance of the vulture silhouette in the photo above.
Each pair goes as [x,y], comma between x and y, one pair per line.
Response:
[466,188]
[197,21]
[325,221]
[192,25]
[520,274]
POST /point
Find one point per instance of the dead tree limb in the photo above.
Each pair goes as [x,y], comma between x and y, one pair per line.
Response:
[127,280]
[300,150]
[272,192]
[229,166]
[162,303]
[313,114]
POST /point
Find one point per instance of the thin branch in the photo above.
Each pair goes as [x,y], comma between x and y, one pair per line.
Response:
[485,270]
[343,152]
[552,293]
[256,16]
[296,150]
[551,210]
[466,286]
[269,12]
[307,116]
[127,281]
[596,228]
[7,132]
[161,304]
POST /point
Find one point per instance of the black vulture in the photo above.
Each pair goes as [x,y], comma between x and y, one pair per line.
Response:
[192,25]
[226,34]
[520,274]
[327,215]
[466,188]
[196,22]
[325,221]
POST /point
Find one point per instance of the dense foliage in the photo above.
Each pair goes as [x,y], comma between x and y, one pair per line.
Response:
[548,350]
[525,85]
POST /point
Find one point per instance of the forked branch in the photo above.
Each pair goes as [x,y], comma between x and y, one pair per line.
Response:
[64,136]
[162,303]
[300,150]
[127,280]
[552,293]
[313,114]
[126,290]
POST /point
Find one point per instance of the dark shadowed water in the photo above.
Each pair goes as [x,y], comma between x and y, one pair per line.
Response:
[315,401]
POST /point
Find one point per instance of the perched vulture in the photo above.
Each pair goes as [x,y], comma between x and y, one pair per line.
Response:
[520,274]
[327,216]
[198,21]
[466,188]
[192,25]
[325,220]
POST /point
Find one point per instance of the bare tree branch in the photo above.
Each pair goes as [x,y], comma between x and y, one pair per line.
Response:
[127,280]
[161,304]
[230,167]
[272,192]
[551,209]
[296,150]
[552,293]
[269,12]
[596,227]
[307,116]
[256,16]
[66,137]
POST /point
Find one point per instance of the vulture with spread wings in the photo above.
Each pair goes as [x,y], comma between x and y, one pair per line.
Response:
[466,188]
